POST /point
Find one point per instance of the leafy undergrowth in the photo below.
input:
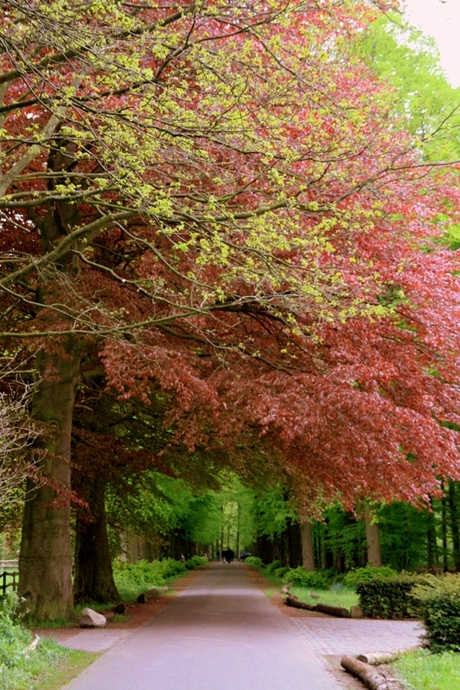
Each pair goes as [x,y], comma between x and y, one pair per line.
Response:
[344,597]
[422,670]
[134,578]
[335,594]
[24,668]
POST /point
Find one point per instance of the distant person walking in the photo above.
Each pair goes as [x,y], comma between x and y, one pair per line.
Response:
[229,555]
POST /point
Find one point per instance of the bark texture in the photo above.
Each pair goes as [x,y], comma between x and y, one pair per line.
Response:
[45,562]
[374,556]
[93,579]
[308,559]
[371,677]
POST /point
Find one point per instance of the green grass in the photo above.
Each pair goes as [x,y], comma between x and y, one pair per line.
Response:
[421,670]
[336,596]
[48,667]
[52,625]
[56,677]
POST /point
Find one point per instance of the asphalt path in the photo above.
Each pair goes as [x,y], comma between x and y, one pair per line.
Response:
[220,633]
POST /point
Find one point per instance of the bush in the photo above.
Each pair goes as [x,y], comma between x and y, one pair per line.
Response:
[316,579]
[133,578]
[195,562]
[280,572]
[389,598]
[271,567]
[366,574]
[255,561]
[142,574]
[440,605]
[171,567]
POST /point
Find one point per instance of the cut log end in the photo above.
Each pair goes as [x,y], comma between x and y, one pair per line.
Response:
[372,678]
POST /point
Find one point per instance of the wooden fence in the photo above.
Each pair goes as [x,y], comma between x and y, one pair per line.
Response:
[8,578]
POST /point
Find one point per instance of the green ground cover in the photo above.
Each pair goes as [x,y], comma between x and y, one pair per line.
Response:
[54,678]
[422,670]
[344,597]
[134,578]
[333,594]
[27,669]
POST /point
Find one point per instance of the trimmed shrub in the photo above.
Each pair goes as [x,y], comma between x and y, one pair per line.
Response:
[440,604]
[315,579]
[366,574]
[390,597]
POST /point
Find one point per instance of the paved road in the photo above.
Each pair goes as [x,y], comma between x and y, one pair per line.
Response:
[221,632]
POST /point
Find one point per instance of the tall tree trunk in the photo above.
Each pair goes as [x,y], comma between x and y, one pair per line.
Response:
[454,524]
[45,562]
[93,579]
[308,559]
[319,544]
[293,544]
[374,556]
[237,549]
[432,546]
[445,559]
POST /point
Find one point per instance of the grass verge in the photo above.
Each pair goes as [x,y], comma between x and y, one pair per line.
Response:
[422,670]
[342,596]
[338,595]
[71,667]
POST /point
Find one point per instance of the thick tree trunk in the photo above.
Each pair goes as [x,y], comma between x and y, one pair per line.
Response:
[45,562]
[93,579]
[374,556]
[293,544]
[308,559]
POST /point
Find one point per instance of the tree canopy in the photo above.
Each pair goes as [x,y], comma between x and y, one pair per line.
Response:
[217,202]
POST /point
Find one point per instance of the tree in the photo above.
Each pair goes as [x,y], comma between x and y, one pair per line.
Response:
[410,62]
[190,199]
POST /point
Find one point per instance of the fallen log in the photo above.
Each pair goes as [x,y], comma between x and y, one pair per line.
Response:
[333,610]
[378,658]
[371,677]
[294,602]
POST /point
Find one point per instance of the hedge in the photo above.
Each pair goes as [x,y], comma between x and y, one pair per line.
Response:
[390,597]
[439,598]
